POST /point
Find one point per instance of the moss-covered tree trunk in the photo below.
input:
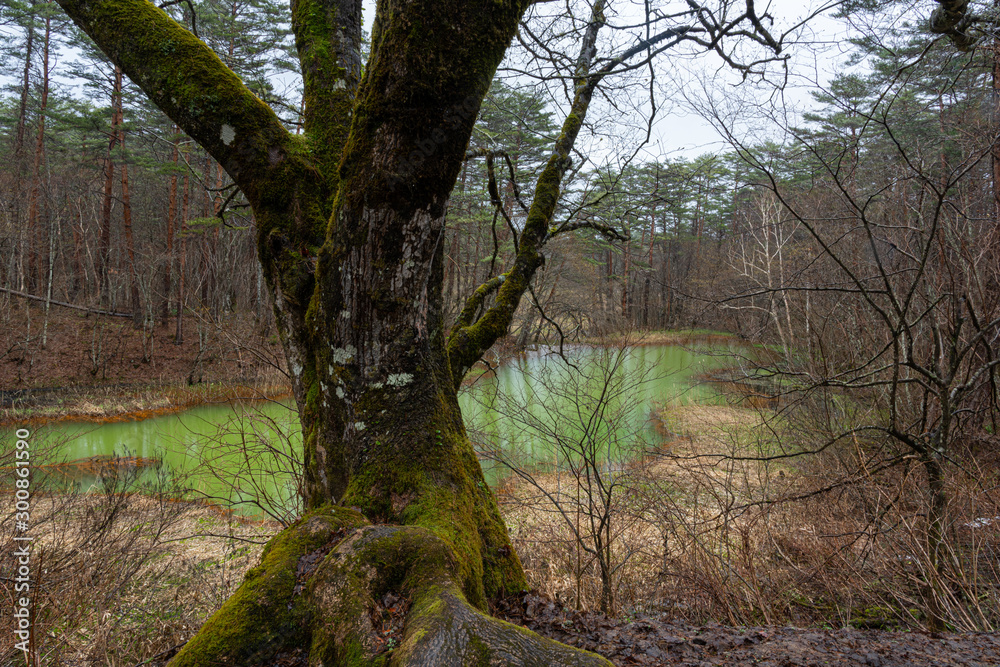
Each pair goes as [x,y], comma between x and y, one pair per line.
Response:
[350,229]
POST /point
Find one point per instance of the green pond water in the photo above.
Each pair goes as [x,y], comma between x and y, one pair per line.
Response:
[535,411]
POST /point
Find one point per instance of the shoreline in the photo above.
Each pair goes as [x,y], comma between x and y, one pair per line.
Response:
[137,401]
[125,403]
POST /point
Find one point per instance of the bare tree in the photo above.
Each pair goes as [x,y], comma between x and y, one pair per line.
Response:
[902,319]
[579,452]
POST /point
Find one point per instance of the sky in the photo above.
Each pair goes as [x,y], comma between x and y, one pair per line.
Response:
[680,131]
[816,53]
[754,111]
[688,86]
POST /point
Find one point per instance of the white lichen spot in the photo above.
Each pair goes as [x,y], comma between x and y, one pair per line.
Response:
[399,379]
[359,426]
[342,355]
[346,314]
[228,134]
[339,85]
[377,385]
[296,368]
[340,392]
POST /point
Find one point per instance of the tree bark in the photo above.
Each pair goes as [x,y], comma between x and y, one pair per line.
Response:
[133,279]
[79,277]
[104,251]
[182,261]
[207,271]
[935,541]
[38,240]
[350,234]
[22,116]
[995,117]
[32,297]
[22,121]
[171,223]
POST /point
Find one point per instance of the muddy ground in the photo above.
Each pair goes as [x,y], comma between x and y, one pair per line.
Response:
[653,641]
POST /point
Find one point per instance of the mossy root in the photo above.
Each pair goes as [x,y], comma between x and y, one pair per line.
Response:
[316,592]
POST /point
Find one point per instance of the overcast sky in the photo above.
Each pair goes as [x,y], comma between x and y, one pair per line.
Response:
[819,51]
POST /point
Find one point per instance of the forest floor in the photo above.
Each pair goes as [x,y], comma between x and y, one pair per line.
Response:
[820,635]
[654,641]
[203,553]
[102,368]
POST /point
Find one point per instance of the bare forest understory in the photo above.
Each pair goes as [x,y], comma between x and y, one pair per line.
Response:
[115,595]
[79,365]
[724,587]
[652,640]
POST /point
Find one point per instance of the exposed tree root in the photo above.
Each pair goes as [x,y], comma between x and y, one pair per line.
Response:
[316,592]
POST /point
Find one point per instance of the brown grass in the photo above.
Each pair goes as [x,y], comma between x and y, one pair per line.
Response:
[705,536]
[120,578]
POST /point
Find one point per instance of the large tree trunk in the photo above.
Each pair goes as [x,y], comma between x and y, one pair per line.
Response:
[317,593]
[350,223]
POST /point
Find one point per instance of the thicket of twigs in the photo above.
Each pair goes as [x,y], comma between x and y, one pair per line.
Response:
[121,572]
[712,527]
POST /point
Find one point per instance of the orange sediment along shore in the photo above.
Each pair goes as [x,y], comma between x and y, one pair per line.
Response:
[101,405]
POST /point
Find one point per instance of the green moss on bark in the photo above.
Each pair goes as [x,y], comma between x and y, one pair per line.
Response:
[409,461]
[266,616]
[429,476]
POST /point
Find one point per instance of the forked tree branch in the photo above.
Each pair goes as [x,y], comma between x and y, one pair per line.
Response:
[328,40]
[470,337]
[952,20]
[188,81]
[468,341]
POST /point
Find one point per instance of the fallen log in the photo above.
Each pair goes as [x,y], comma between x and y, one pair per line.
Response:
[95,311]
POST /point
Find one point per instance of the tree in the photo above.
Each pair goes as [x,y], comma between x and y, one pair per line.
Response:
[594,428]
[881,263]
[350,217]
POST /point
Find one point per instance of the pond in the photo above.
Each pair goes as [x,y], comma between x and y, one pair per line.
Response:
[543,411]
[534,411]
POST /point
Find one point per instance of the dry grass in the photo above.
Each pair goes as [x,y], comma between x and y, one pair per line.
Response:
[120,577]
[700,530]
[710,531]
